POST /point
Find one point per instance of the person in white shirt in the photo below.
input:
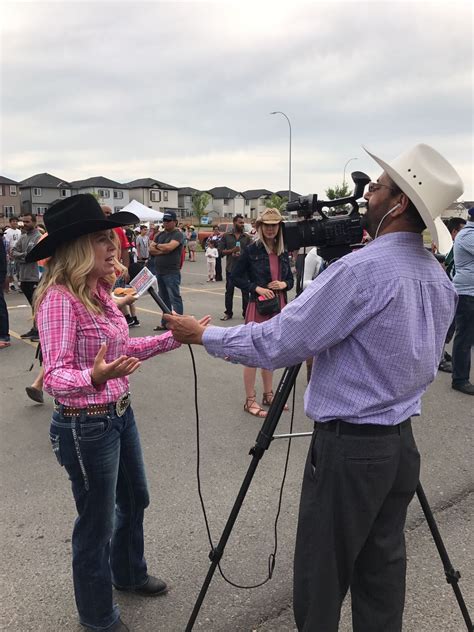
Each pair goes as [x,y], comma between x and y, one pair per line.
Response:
[211,255]
[12,234]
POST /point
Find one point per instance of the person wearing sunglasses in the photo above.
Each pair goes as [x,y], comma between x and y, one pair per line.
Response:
[375,322]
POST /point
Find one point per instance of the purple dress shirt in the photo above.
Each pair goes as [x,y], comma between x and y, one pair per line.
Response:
[375,322]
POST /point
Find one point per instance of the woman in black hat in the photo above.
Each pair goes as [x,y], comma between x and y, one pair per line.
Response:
[88,357]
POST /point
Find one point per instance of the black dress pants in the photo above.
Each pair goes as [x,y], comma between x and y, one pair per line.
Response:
[355,495]
[229,296]
[463,339]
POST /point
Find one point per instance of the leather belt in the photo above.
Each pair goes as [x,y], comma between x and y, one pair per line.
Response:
[96,410]
[343,427]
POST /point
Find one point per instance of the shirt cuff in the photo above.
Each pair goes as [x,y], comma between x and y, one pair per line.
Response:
[213,341]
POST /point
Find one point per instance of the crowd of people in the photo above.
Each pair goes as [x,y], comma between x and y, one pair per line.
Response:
[375,322]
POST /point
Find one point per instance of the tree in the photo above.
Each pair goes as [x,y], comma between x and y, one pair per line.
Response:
[275,201]
[200,200]
[336,192]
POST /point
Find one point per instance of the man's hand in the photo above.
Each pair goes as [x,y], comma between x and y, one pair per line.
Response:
[187,329]
[103,371]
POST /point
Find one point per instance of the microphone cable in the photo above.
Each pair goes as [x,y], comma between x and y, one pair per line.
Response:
[272,556]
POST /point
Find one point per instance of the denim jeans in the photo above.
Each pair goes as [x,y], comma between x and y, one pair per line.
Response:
[168,287]
[103,458]
[463,339]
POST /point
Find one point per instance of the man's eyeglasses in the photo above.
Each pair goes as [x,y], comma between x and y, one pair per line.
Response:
[375,186]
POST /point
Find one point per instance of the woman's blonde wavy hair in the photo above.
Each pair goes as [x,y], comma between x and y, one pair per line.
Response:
[69,266]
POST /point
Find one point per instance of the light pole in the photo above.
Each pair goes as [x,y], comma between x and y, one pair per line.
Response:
[344,174]
[289,158]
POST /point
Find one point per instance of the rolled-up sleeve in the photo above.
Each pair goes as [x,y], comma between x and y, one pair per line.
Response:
[149,346]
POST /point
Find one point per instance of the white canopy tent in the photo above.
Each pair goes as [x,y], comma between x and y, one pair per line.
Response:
[144,213]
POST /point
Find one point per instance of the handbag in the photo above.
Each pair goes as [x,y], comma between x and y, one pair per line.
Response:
[268,306]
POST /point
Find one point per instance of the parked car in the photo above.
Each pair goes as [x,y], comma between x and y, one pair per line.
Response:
[225,227]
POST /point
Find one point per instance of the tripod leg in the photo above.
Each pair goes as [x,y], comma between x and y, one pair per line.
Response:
[452,576]
[263,441]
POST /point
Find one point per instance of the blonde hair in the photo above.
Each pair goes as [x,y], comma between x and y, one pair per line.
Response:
[278,247]
[69,267]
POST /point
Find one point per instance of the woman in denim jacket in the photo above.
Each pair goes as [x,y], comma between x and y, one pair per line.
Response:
[263,270]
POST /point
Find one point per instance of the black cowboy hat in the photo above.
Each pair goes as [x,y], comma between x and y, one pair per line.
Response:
[73,217]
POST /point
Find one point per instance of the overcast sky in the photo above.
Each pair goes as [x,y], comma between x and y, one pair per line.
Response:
[182,92]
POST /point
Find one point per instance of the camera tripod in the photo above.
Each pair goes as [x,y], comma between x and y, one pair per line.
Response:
[264,438]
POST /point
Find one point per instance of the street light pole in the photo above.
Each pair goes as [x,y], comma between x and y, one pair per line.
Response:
[344,174]
[289,158]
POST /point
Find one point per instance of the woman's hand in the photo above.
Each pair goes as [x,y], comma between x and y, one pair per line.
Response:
[277,285]
[103,371]
[264,291]
[128,299]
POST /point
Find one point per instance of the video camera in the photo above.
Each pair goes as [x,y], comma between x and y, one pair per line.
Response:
[333,236]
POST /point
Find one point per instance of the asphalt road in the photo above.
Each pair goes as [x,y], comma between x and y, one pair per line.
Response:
[38,511]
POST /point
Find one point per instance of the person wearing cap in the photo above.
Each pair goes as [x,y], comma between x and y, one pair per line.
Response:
[166,250]
[263,271]
[464,321]
[192,239]
[88,356]
[375,322]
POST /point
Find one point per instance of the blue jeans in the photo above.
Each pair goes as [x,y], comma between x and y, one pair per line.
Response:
[168,287]
[103,458]
[463,339]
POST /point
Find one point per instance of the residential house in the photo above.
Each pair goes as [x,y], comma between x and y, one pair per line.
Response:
[108,192]
[226,202]
[154,194]
[185,201]
[40,191]
[255,201]
[9,199]
[294,195]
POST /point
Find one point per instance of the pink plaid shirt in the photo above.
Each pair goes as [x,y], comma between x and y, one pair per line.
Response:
[70,339]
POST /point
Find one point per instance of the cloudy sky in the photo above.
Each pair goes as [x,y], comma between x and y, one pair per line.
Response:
[182,91]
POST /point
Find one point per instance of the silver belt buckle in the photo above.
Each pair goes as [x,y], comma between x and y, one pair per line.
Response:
[122,404]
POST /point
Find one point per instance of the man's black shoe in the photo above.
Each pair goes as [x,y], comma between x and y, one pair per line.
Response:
[118,626]
[30,333]
[226,317]
[151,588]
[465,387]
[448,357]
[445,366]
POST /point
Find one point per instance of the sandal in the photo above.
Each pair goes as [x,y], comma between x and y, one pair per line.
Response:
[267,400]
[252,408]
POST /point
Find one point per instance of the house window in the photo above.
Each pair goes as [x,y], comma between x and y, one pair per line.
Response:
[37,192]
[12,189]
[165,196]
[226,202]
[8,211]
[63,192]
[247,202]
[40,210]
[118,195]
[104,193]
[155,196]
[117,209]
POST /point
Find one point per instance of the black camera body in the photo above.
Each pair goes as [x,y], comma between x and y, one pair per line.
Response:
[333,236]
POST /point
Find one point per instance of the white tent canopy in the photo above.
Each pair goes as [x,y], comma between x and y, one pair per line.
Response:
[144,213]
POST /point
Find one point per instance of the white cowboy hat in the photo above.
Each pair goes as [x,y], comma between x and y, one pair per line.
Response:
[429,180]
